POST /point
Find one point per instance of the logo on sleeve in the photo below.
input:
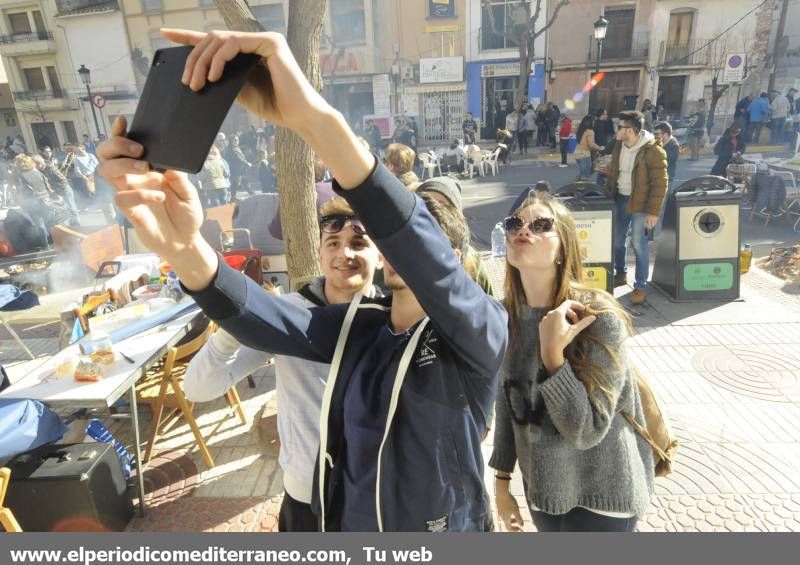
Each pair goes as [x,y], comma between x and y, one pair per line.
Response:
[426,354]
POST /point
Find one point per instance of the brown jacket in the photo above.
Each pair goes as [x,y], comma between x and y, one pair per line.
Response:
[649,178]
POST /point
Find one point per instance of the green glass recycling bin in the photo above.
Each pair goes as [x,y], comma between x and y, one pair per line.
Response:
[698,250]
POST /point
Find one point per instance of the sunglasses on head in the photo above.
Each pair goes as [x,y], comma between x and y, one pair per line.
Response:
[334,223]
[513,224]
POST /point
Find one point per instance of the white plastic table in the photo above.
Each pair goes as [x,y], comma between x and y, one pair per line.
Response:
[67,394]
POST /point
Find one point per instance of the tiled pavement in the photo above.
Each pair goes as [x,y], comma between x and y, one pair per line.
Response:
[728,376]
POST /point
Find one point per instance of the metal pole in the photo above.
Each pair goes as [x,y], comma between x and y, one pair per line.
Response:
[94,114]
[777,50]
[599,51]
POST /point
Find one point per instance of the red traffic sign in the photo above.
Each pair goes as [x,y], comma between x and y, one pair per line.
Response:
[98,100]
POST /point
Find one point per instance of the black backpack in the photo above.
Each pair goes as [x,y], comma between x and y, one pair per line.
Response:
[23,232]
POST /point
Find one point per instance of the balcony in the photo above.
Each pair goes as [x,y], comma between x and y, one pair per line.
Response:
[620,50]
[81,7]
[34,101]
[30,43]
[693,53]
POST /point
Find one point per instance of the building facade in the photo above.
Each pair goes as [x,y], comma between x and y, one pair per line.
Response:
[111,90]
[43,83]
[493,62]
[667,51]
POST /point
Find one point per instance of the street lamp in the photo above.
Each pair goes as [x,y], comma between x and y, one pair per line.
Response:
[86,78]
[600,29]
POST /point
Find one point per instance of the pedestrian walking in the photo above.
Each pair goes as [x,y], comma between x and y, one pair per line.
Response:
[759,112]
[586,148]
[780,109]
[239,167]
[697,129]
[524,126]
[564,133]
[730,145]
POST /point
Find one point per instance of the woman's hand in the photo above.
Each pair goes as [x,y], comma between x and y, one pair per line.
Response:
[507,507]
[164,208]
[557,329]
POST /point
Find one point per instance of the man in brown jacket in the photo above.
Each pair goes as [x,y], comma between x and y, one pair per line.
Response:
[637,181]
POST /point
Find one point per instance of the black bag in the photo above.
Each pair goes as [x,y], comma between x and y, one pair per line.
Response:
[24,232]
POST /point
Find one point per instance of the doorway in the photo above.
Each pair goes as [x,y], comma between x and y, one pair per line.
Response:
[44,133]
[611,93]
[498,102]
[670,95]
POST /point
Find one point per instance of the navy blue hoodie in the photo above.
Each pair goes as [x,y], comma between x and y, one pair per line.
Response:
[429,468]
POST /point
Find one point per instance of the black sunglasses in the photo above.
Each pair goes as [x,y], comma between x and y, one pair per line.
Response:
[334,223]
[513,224]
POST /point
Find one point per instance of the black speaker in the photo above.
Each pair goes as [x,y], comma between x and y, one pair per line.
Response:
[75,487]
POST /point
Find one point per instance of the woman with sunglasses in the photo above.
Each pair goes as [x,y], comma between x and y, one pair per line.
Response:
[563,383]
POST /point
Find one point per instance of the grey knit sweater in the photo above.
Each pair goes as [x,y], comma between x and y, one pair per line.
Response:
[570,454]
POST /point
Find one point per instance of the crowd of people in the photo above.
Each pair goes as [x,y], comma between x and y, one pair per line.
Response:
[387,392]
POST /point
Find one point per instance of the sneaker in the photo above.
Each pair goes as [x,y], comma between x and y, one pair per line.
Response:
[562,166]
[638,296]
[620,280]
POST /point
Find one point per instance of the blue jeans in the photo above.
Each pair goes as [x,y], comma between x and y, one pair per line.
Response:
[623,222]
[585,165]
[581,520]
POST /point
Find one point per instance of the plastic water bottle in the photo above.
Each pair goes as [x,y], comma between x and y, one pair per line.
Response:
[173,285]
[498,240]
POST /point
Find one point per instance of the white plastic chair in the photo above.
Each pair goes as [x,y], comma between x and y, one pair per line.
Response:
[492,161]
[475,163]
[430,163]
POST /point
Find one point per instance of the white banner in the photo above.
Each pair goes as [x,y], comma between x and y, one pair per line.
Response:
[441,69]
[380,94]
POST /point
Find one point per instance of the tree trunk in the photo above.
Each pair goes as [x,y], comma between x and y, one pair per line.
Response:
[295,160]
[716,94]
[524,71]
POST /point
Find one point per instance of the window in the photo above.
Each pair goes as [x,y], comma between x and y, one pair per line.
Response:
[19,22]
[270,16]
[348,24]
[55,85]
[442,8]
[680,27]
[497,18]
[69,129]
[11,118]
[152,5]
[207,4]
[619,36]
[39,21]
[34,78]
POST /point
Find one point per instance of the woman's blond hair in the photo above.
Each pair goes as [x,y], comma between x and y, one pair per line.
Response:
[401,156]
[569,286]
[336,205]
[24,163]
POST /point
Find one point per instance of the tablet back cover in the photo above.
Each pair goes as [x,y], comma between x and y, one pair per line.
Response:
[176,125]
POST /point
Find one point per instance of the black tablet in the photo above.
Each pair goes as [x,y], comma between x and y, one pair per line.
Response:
[175,125]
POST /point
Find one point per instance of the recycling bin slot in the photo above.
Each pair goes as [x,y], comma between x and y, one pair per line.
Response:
[698,250]
[593,213]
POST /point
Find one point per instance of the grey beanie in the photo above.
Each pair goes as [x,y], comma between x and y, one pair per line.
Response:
[446,186]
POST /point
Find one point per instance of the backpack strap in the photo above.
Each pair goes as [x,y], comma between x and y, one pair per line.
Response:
[642,431]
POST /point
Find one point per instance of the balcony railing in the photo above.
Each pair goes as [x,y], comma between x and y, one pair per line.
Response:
[39,94]
[27,36]
[684,53]
[617,49]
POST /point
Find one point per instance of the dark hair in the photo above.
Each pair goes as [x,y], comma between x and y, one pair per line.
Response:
[586,123]
[600,112]
[666,127]
[764,95]
[634,118]
[729,131]
[454,144]
[543,185]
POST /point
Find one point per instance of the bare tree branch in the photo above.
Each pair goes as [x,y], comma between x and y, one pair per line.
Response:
[552,20]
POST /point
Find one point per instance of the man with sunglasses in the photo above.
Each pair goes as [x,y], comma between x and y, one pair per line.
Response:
[637,181]
[348,258]
[412,381]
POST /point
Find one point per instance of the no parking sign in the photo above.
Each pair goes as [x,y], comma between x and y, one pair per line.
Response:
[734,67]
